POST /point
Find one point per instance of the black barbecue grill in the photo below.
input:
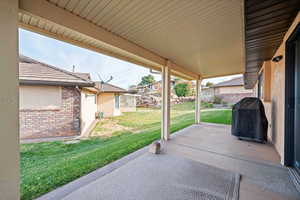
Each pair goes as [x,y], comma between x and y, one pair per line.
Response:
[249,120]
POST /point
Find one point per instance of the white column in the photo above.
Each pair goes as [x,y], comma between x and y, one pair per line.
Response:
[9,101]
[165,106]
[198,101]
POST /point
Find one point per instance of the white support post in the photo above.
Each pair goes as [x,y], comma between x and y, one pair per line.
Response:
[9,101]
[165,104]
[198,101]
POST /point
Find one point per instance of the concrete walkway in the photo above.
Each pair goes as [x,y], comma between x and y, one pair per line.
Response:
[262,175]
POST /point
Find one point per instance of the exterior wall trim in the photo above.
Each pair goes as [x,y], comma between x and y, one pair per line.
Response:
[289,91]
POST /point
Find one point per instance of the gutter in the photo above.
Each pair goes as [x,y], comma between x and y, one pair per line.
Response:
[55,83]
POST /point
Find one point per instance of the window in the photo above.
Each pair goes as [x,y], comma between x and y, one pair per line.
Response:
[260,86]
[117,101]
[40,97]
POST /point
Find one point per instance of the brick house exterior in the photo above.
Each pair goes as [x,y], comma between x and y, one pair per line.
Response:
[53,123]
[51,100]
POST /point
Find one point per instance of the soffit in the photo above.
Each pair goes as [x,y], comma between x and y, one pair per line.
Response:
[266,23]
[203,36]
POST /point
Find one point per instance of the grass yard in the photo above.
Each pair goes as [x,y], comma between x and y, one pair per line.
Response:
[46,166]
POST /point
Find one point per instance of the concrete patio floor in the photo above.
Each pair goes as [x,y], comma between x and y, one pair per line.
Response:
[259,164]
[263,177]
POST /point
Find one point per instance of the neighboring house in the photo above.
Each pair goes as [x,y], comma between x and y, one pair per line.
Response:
[230,91]
[128,102]
[207,93]
[153,89]
[113,100]
[56,102]
[150,95]
[53,102]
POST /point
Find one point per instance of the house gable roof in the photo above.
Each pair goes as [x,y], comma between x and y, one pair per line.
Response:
[85,76]
[233,82]
[109,88]
[35,72]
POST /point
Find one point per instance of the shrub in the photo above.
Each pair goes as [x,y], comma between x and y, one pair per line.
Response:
[206,105]
[217,100]
[224,103]
[182,89]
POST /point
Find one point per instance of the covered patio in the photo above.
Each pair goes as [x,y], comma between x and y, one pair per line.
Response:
[193,40]
[262,176]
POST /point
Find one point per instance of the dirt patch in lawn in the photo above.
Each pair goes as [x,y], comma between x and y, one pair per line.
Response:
[108,128]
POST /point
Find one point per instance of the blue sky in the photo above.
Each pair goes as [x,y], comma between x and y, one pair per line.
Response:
[64,55]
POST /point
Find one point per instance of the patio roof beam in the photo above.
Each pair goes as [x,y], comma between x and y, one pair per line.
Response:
[45,10]
[86,46]
[181,72]
[119,47]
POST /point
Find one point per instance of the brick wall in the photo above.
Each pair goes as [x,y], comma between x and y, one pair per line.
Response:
[53,123]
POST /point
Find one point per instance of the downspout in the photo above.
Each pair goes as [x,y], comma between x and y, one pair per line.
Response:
[78,89]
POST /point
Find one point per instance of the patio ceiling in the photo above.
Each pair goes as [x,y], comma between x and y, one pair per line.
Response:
[193,37]
[266,23]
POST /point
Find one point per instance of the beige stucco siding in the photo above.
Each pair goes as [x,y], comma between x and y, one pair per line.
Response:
[277,100]
[277,85]
[40,97]
[88,110]
[234,90]
[106,104]
[39,123]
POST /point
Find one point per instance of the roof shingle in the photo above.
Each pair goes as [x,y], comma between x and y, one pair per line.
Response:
[233,82]
[106,87]
[35,72]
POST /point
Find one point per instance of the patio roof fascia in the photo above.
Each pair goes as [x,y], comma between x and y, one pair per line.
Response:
[132,52]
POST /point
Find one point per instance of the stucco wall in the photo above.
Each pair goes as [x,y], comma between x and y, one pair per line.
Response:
[106,104]
[277,99]
[88,110]
[278,94]
[37,123]
[40,97]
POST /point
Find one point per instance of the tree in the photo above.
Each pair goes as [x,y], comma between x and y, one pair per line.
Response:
[182,89]
[147,80]
[209,84]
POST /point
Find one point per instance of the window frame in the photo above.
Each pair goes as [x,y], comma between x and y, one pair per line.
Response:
[117,101]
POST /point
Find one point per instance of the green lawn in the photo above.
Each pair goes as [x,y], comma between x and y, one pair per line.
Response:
[46,166]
